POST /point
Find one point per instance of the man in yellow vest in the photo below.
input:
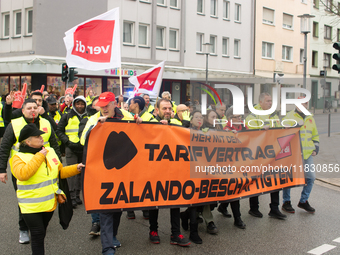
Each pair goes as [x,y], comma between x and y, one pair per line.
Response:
[137,106]
[265,122]
[183,115]
[9,147]
[164,109]
[67,132]
[109,222]
[310,147]
[221,111]
[148,106]
[52,109]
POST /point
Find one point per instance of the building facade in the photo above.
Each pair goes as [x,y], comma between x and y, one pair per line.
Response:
[32,48]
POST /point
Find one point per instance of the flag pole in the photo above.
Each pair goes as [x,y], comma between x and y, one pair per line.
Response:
[121,85]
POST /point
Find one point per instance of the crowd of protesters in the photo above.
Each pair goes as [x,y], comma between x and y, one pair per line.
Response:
[42,128]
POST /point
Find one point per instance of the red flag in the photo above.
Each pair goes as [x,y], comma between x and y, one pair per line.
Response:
[95,43]
[150,81]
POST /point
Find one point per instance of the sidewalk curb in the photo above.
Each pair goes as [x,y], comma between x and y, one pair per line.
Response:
[330,183]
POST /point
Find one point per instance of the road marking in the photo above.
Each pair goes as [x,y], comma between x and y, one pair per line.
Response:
[337,240]
[321,249]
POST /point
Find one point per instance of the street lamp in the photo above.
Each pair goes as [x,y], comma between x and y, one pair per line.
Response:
[206,51]
[305,29]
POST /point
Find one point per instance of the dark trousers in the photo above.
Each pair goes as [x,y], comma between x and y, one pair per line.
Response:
[175,220]
[37,224]
[109,223]
[22,223]
[74,182]
[235,208]
[274,205]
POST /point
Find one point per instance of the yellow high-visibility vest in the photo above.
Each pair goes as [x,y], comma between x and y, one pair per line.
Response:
[72,129]
[37,194]
[2,123]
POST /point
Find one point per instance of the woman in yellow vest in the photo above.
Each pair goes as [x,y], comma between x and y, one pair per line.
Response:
[37,170]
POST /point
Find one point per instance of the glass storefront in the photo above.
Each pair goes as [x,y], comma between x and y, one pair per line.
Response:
[4,85]
[55,86]
[14,82]
[95,84]
[27,80]
[80,86]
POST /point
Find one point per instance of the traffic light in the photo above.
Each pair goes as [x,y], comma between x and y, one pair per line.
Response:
[73,72]
[64,72]
[336,56]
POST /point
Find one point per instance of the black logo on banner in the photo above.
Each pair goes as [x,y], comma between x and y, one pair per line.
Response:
[119,151]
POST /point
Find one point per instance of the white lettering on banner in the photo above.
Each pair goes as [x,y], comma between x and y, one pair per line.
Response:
[148,81]
[91,49]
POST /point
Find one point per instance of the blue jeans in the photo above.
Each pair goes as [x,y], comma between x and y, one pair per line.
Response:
[95,217]
[309,177]
[109,223]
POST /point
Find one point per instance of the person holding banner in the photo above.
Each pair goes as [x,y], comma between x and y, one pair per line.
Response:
[233,125]
[310,147]
[109,222]
[36,169]
[164,110]
[265,100]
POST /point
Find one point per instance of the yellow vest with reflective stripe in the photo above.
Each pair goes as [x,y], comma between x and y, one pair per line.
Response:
[72,128]
[150,108]
[56,117]
[89,100]
[259,121]
[308,131]
[146,116]
[2,123]
[92,121]
[19,123]
[37,194]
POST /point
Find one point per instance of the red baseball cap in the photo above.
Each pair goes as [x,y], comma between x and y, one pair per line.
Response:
[105,98]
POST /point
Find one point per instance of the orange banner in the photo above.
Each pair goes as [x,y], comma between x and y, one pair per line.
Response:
[130,166]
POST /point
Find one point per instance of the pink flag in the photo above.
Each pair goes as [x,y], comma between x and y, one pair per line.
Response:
[150,81]
[95,43]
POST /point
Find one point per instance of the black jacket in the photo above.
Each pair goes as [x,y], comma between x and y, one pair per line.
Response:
[61,130]
[17,113]
[9,140]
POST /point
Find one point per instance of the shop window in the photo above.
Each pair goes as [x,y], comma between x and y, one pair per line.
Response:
[95,84]
[27,80]
[80,86]
[14,82]
[55,86]
[4,85]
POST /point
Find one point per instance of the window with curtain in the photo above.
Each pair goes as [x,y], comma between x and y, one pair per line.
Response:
[268,16]
[287,53]
[226,11]
[29,23]
[328,32]
[200,6]
[287,21]
[173,39]
[5,26]
[213,44]
[199,42]
[128,32]
[174,3]
[143,35]
[237,48]
[160,37]
[17,24]
[267,50]
[225,46]
[238,12]
[213,7]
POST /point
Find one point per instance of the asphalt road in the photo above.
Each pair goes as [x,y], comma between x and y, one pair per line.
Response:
[299,234]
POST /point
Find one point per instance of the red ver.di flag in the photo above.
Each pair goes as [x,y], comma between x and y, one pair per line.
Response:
[95,43]
[150,81]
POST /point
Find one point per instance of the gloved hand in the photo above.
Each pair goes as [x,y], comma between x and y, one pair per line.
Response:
[186,115]
[19,97]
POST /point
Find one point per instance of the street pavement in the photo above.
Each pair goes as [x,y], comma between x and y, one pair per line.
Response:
[300,233]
